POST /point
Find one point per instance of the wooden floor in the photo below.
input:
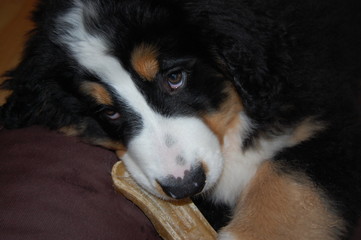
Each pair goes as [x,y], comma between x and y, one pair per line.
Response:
[14,24]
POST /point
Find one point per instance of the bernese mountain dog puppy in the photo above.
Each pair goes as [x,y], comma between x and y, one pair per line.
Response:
[252,104]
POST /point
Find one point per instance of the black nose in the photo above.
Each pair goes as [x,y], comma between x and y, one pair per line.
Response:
[192,183]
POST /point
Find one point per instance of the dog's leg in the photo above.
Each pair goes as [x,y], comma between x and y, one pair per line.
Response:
[279,206]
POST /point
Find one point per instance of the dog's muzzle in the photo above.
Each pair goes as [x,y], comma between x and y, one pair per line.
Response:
[192,183]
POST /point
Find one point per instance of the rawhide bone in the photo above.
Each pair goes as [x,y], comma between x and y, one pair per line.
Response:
[174,220]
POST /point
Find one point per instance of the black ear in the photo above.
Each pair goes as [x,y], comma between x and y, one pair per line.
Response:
[41,93]
[38,83]
[253,49]
[46,85]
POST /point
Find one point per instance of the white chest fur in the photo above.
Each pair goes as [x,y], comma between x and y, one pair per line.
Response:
[241,165]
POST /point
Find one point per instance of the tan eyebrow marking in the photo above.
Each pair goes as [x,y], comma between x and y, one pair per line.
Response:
[144,61]
[98,92]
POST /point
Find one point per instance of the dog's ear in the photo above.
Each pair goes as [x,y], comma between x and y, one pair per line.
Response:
[253,50]
[41,83]
[38,85]
[47,85]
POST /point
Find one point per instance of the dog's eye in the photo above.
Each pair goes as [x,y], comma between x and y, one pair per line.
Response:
[176,80]
[111,114]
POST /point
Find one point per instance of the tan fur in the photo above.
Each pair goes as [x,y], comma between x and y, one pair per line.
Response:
[4,94]
[227,117]
[121,153]
[118,147]
[205,167]
[98,92]
[305,130]
[144,61]
[276,206]
[72,130]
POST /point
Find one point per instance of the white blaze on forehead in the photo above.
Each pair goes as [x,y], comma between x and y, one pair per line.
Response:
[148,157]
[91,51]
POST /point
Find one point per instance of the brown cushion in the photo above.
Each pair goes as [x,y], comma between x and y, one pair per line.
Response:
[357,234]
[56,187]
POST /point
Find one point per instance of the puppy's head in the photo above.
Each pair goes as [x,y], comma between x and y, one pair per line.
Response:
[157,95]
[130,76]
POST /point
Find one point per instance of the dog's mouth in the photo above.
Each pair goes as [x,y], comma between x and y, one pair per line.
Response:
[197,179]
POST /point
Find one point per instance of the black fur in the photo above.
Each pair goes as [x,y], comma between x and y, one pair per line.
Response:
[290,60]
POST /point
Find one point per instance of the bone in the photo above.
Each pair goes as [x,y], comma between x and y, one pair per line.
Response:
[173,220]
